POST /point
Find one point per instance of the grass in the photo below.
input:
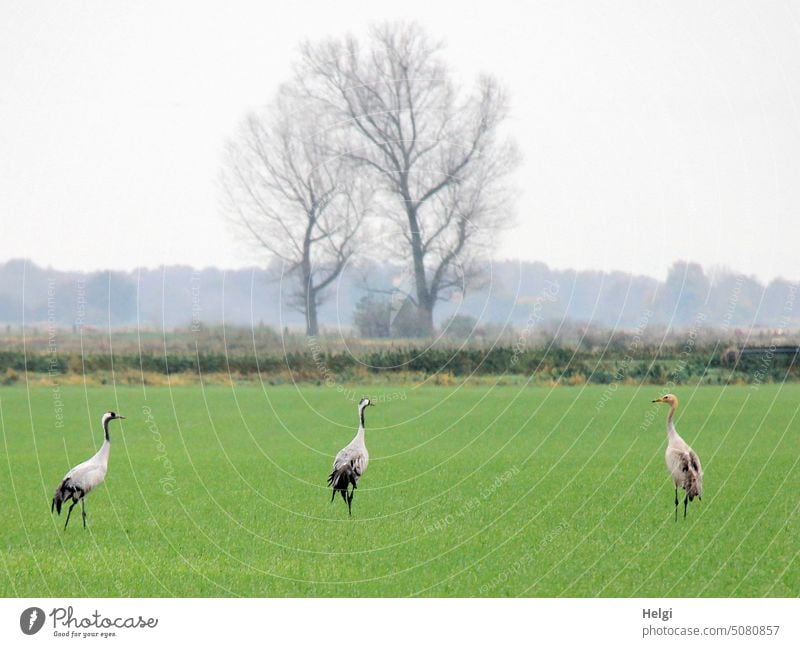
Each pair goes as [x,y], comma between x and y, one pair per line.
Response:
[220,491]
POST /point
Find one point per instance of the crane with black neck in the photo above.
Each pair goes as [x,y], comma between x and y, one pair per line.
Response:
[85,477]
[351,462]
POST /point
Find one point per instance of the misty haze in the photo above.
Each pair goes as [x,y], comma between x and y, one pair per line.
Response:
[401,300]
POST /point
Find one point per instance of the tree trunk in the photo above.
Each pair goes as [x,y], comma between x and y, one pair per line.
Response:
[425,316]
[309,293]
[312,326]
[425,300]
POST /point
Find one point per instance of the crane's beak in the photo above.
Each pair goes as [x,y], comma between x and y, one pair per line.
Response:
[658,400]
[121,417]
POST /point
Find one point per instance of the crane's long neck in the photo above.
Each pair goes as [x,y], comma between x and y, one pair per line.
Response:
[360,433]
[671,431]
[102,453]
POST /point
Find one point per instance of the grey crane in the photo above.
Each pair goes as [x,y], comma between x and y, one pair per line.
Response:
[351,462]
[83,478]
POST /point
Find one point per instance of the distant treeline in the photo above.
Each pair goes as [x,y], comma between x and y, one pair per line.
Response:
[644,364]
[514,293]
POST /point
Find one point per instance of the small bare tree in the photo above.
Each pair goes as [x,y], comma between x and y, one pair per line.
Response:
[437,154]
[290,196]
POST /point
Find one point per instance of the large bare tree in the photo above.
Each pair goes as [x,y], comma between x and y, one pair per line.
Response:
[435,151]
[290,196]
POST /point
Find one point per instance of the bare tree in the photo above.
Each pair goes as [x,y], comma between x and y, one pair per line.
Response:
[292,198]
[437,154]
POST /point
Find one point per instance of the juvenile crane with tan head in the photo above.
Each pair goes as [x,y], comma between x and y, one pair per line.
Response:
[83,478]
[683,464]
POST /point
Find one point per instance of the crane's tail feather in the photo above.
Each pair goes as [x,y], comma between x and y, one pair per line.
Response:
[693,477]
[693,489]
[64,492]
[341,479]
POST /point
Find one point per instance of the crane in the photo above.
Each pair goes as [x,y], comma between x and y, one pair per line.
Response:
[351,462]
[683,464]
[83,478]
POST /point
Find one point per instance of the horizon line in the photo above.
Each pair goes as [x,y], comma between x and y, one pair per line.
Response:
[708,270]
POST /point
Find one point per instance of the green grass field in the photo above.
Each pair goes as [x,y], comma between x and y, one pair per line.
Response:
[470,492]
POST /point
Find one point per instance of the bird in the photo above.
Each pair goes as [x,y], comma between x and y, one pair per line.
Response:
[83,478]
[682,462]
[351,462]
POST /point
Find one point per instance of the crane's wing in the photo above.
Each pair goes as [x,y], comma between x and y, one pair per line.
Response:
[77,483]
[692,474]
[89,476]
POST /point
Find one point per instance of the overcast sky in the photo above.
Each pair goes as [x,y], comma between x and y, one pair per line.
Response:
[651,131]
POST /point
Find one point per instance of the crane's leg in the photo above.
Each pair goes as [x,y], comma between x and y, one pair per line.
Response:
[676,503]
[69,512]
[350,503]
[83,512]
[685,503]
